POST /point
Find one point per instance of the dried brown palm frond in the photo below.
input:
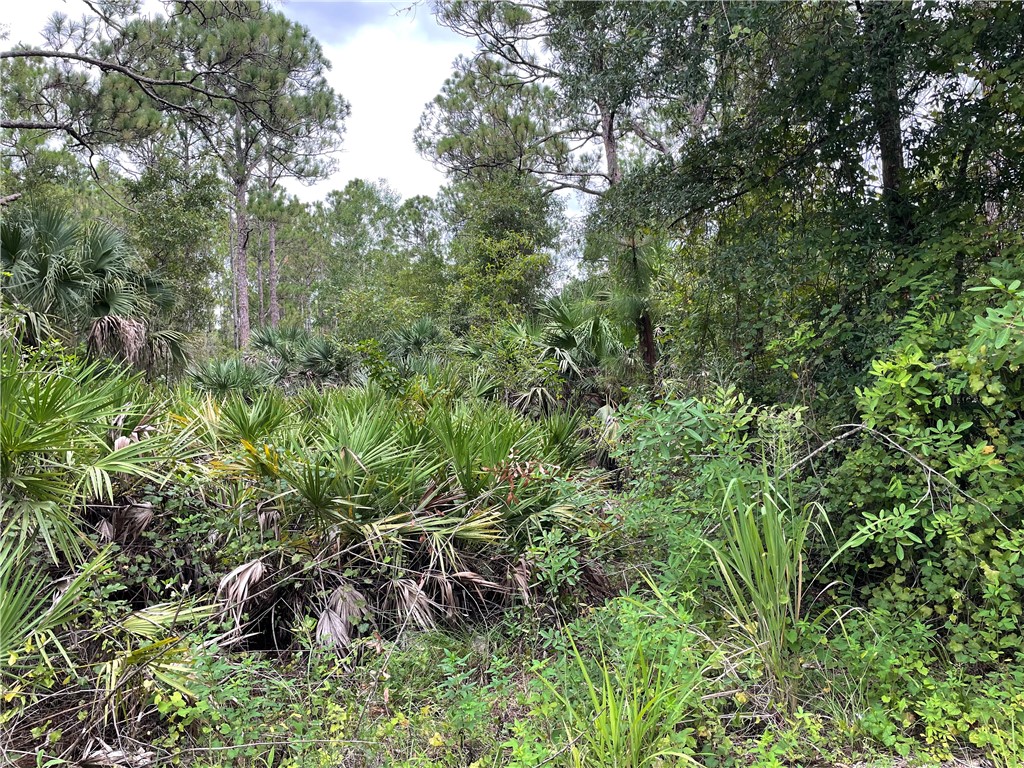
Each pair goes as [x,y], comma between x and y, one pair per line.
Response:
[123,442]
[480,581]
[268,516]
[236,589]
[118,337]
[412,604]
[331,630]
[142,429]
[349,603]
[338,621]
[127,523]
[99,754]
[131,341]
[136,518]
[479,590]
[519,575]
[105,529]
[164,349]
[439,498]
[117,423]
[444,589]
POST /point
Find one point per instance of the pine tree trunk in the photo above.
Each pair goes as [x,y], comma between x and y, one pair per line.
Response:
[275,307]
[611,146]
[241,263]
[262,313]
[234,286]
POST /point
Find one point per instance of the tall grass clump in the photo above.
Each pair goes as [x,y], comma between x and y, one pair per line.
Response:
[634,711]
[761,549]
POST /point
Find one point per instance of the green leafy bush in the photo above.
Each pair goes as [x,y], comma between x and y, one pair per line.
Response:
[935,488]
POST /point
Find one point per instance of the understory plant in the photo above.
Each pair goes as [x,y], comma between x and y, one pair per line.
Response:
[762,550]
[933,482]
[391,512]
[635,709]
[78,439]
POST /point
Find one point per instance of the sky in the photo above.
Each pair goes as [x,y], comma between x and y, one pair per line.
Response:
[388,59]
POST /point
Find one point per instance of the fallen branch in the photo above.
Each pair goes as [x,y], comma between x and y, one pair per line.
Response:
[849,433]
[929,472]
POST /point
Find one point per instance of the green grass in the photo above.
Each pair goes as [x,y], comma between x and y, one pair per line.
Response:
[761,548]
[634,711]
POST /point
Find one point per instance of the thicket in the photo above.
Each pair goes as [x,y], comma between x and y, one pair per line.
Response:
[730,472]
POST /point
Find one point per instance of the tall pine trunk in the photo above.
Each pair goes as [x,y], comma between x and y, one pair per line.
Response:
[611,146]
[234,286]
[241,263]
[275,307]
[261,315]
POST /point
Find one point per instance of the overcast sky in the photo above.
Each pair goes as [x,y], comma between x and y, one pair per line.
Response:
[387,59]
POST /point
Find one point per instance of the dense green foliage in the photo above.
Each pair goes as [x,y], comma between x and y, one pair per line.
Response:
[726,470]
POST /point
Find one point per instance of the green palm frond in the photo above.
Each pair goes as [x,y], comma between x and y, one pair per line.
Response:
[151,655]
[73,275]
[257,420]
[33,608]
[221,377]
[70,432]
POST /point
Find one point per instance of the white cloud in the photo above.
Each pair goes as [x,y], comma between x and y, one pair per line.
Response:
[24,22]
[387,73]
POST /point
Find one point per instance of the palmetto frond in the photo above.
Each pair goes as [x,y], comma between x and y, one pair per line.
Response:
[150,656]
[33,607]
[414,340]
[286,354]
[429,506]
[220,377]
[88,280]
[580,334]
[69,435]
[284,343]
[257,420]
[345,609]
[322,357]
